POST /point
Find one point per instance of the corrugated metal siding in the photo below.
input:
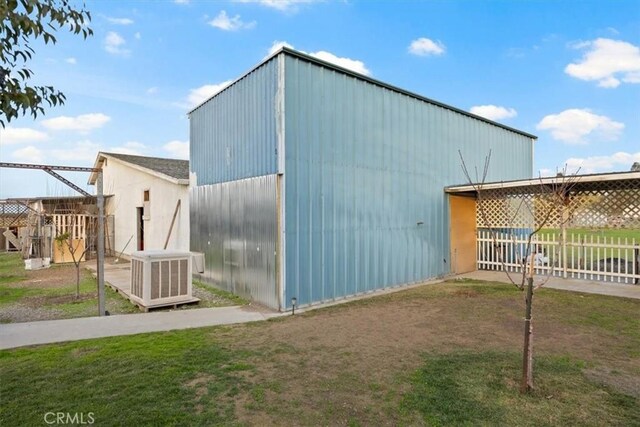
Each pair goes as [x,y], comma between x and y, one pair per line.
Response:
[233,135]
[235,225]
[364,165]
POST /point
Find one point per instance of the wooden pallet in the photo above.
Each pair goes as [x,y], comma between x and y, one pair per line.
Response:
[171,305]
[146,309]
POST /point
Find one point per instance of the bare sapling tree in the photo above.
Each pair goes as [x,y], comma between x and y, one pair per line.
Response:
[76,247]
[550,202]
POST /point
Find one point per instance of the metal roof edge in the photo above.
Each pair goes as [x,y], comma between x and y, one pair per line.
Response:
[594,177]
[322,63]
[391,87]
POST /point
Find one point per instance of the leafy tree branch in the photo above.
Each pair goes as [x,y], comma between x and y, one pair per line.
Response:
[21,23]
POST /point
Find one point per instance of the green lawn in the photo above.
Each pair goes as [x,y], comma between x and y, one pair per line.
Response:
[445,354]
[11,268]
[585,256]
[608,233]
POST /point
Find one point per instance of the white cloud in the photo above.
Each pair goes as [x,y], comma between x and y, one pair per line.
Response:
[71,60]
[177,149]
[137,35]
[281,5]
[277,45]
[546,172]
[80,152]
[120,21]
[493,112]
[132,147]
[198,95]
[607,61]
[348,63]
[81,123]
[226,23]
[85,151]
[114,44]
[152,90]
[182,1]
[29,154]
[620,161]
[12,135]
[578,126]
[426,47]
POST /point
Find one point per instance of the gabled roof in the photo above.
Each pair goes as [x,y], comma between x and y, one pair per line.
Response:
[173,170]
[313,60]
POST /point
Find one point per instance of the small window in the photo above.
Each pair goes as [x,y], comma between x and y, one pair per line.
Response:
[146,205]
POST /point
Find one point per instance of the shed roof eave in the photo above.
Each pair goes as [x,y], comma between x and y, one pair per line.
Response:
[610,176]
[100,160]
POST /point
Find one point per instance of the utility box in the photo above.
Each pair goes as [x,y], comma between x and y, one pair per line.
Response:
[161,277]
[197,260]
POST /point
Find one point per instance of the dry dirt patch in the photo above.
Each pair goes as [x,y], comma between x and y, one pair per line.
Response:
[372,345]
[57,276]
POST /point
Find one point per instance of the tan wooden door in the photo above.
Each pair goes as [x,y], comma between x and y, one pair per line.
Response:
[463,234]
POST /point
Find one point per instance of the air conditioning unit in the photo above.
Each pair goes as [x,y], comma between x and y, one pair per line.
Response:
[160,277]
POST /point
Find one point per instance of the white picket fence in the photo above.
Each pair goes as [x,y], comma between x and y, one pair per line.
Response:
[581,256]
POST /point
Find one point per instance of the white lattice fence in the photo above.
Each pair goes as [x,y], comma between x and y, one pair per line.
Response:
[581,256]
[605,204]
[13,214]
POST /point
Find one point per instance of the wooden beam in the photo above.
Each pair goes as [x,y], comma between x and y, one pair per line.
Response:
[173,220]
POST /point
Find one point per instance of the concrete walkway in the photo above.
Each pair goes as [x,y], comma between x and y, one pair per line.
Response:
[53,331]
[576,285]
[117,275]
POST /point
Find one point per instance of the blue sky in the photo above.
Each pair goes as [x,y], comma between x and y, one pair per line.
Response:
[566,71]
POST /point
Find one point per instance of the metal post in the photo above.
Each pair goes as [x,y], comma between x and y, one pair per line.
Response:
[563,227]
[100,261]
[636,260]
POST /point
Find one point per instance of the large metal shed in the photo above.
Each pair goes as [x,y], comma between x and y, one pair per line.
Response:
[317,183]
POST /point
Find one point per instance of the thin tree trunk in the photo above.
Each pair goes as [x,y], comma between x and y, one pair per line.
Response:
[527,353]
[77,281]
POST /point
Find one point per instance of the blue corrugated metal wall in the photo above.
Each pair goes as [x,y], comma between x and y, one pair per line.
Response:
[233,136]
[364,166]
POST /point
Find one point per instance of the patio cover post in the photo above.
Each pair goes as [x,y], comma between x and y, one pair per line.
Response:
[563,227]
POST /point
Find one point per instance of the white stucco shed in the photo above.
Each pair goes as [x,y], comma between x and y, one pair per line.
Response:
[148,195]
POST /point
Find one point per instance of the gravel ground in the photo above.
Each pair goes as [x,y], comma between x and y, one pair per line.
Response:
[38,303]
[22,313]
